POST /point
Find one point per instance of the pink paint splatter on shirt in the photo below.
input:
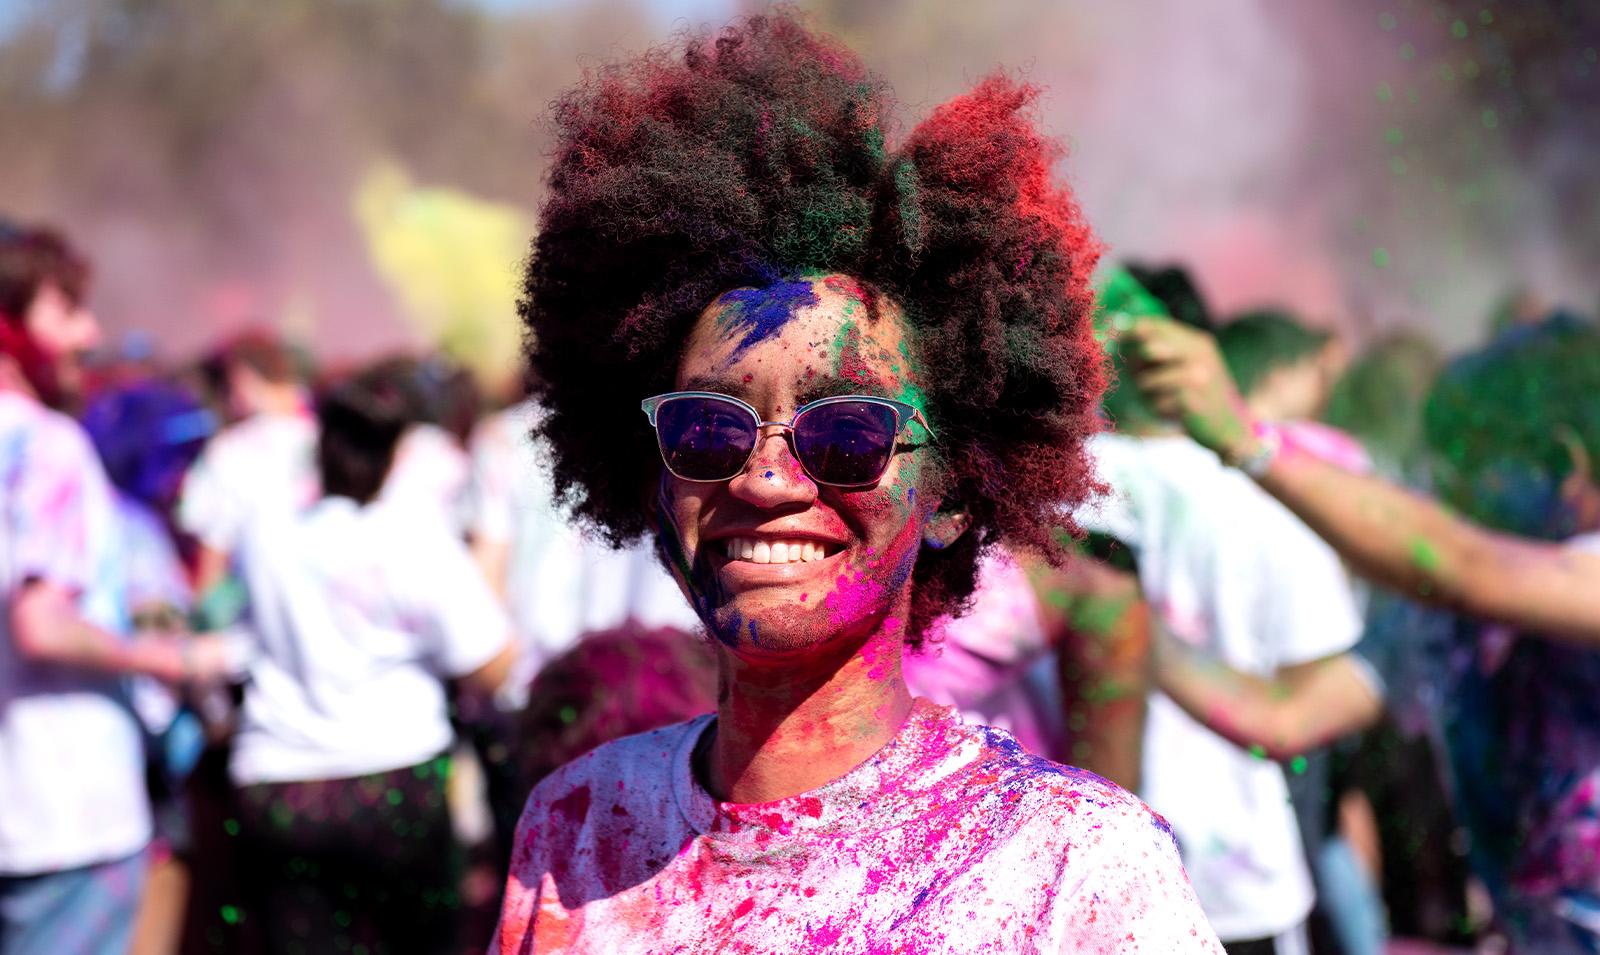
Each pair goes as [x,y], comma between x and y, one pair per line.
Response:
[949,839]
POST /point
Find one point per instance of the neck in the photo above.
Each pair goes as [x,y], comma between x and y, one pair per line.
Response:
[13,380]
[787,728]
[281,400]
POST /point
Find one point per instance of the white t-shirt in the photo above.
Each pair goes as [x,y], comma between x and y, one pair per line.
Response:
[951,839]
[1230,570]
[561,582]
[71,762]
[265,464]
[355,614]
[430,469]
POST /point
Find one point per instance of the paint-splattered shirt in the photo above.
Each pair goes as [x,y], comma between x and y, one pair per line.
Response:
[71,765]
[950,839]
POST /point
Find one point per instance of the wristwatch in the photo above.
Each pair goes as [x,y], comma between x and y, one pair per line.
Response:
[1268,442]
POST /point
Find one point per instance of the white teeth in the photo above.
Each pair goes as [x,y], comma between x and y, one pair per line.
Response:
[773,552]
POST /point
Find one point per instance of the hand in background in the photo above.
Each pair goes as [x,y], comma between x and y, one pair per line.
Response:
[1182,376]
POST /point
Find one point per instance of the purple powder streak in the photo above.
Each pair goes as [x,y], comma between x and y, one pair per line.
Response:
[760,314]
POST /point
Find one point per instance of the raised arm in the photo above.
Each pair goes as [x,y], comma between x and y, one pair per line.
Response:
[1396,538]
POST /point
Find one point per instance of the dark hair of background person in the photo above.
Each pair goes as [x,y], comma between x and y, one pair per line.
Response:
[443,393]
[30,259]
[1378,401]
[758,154]
[610,684]
[1175,288]
[1259,342]
[1503,423]
[361,421]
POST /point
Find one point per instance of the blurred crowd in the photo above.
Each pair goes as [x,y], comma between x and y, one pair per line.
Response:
[286,645]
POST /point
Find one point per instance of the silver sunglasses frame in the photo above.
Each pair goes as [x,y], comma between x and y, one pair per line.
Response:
[904,414]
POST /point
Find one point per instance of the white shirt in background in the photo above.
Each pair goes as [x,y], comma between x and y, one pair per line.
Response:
[561,583]
[265,464]
[71,762]
[1230,570]
[430,469]
[356,614]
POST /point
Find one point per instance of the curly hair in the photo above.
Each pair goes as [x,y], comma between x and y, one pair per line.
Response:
[757,154]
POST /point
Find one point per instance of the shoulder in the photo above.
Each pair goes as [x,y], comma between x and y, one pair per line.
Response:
[1064,803]
[621,792]
[54,450]
[54,435]
[633,770]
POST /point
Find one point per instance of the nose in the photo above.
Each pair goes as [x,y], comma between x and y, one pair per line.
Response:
[773,478]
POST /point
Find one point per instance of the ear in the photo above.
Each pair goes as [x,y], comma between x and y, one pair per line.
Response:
[945,528]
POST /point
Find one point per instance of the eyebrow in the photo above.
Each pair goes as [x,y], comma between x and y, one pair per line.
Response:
[716,383]
[829,386]
[821,386]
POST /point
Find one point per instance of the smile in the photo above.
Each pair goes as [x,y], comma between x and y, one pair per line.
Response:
[752,550]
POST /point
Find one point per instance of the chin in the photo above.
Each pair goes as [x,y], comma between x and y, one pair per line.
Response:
[788,622]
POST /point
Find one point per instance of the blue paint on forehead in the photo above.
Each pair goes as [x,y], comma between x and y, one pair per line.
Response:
[759,314]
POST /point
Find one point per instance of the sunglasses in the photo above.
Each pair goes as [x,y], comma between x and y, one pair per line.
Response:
[844,441]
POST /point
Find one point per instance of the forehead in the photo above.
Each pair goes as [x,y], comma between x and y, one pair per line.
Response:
[824,332]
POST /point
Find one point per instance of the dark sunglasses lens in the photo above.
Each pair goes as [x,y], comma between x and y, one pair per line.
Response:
[846,442]
[704,439]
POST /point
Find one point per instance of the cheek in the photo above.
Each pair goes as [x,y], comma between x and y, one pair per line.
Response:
[677,512]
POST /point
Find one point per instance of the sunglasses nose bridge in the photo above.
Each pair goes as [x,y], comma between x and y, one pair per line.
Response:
[759,457]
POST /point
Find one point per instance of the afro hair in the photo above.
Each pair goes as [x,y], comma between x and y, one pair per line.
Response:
[759,153]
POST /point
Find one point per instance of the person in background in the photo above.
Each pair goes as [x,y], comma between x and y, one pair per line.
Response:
[357,610]
[1286,371]
[430,464]
[1379,402]
[74,819]
[147,434]
[260,463]
[1224,568]
[1514,430]
[1056,656]
[610,684]
[557,578]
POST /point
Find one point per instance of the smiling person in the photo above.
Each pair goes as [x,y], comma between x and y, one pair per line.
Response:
[862,370]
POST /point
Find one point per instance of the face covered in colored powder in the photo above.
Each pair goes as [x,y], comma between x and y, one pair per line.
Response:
[775,563]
